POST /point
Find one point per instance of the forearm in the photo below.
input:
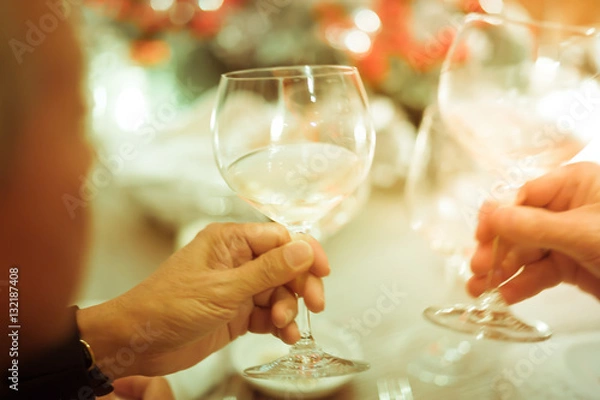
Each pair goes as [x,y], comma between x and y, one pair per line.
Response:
[115,341]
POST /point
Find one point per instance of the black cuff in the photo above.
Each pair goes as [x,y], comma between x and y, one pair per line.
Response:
[65,372]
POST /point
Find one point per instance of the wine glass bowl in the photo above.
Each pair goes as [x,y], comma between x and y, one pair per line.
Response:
[521,95]
[294,142]
[444,190]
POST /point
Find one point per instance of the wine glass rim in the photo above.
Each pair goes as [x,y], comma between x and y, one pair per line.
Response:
[586,30]
[289,72]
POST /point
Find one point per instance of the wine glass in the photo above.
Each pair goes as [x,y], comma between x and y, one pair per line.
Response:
[443,192]
[519,96]
[294,142]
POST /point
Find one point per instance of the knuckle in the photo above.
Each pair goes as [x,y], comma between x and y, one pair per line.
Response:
[211,228]
[270,268]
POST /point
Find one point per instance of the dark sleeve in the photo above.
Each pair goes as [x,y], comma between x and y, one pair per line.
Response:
[60,373]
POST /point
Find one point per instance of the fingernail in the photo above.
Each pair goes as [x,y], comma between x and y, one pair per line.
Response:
[497,277]
[289,316]
[521,197]
[297,253]
[487,207]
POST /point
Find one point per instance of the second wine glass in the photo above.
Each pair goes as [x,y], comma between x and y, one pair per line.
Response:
[443,191]
[294,142]
[511,93]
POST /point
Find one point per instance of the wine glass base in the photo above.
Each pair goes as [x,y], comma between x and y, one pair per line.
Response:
[446,359]
[313,365]
[497,324]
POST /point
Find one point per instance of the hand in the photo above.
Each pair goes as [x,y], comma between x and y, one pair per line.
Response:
[553,233]
[231,279]
[140,388]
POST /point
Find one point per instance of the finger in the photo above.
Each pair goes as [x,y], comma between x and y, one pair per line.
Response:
[262,237]
[311,289]
[534,278]
[493,258]
[481,261]
[263,299]
[476,285]
[271,269]
[290,334]
[285,307]
[567,232]
[260,321]
[587,282]
[143,388]
[557,189]
[540,192]
[320,267]
[484,232]
[255,237]
[159,389]
[314,294]
[482,258]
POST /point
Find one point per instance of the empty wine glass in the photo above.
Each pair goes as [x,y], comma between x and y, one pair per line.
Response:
[444,189]
[294,142]
[443,192]
[521,98]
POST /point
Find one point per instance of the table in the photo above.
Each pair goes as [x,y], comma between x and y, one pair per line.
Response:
[375,253]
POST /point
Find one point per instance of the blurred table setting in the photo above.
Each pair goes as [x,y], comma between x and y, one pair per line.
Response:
[400,243]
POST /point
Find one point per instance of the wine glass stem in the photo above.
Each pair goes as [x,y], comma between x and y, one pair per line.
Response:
[303,321]
[491,300]
[496,270]
[303,318]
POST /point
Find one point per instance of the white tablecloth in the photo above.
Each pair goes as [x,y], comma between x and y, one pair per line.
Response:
[377,255]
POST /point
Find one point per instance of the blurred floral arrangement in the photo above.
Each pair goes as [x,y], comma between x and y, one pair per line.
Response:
[398,45]
[154,65]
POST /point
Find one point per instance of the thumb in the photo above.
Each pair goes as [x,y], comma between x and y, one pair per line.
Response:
[537,227]
[273,268]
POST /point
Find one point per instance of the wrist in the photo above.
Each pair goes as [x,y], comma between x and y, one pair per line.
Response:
[105,329]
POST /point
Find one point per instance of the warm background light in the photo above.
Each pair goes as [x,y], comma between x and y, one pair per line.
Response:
[580,12]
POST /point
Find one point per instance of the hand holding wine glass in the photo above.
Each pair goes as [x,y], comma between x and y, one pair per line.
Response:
[551,235]
[294,142]
[511,92]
